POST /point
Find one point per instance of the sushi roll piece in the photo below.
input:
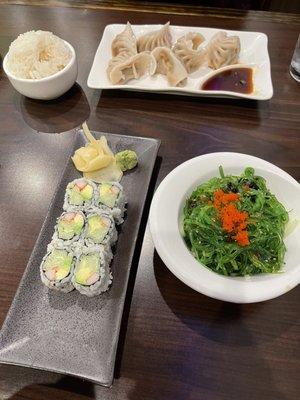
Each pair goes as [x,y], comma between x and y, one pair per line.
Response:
[111,197]
[80,195]
[100,229]
[92,274]
[57,268]
[69,228]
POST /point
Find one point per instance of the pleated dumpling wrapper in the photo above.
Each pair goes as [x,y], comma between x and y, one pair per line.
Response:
[96,160]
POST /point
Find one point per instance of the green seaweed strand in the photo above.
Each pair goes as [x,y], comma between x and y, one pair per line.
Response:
[212,247]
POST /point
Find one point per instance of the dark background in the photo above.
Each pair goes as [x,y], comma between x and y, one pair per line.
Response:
[264,5]
[289,6]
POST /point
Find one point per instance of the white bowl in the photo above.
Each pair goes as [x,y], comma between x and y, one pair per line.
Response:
[165,216]
[47,88]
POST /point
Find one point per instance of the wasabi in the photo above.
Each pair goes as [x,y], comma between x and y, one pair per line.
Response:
[126,159]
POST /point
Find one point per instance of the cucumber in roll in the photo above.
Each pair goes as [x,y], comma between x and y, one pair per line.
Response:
[57,268]
[92,275]
[111,197]
[100,229]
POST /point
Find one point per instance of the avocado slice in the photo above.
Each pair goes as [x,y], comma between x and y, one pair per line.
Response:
[98,227]
[57,265]
[87,270]
[87,192]
[108,194]
[70,225]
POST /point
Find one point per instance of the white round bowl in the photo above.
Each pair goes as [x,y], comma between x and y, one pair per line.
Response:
[47,88]
[165,226]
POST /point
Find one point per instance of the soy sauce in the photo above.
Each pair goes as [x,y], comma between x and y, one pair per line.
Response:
[238,80]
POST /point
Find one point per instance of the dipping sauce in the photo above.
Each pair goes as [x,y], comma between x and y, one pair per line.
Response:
[233,80]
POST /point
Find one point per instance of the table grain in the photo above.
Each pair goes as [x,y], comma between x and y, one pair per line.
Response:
[175,343]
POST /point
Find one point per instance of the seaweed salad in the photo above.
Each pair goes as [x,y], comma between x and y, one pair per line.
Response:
[235,226]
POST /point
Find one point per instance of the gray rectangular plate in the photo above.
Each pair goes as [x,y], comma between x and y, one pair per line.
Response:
[71,333]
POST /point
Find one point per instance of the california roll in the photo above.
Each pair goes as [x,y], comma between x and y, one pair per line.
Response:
[69,228]
[80,195]
[111,198]
[92,275]
[100,229]
[57,268]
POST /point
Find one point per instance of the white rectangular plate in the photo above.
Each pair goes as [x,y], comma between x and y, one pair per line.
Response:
[254,52]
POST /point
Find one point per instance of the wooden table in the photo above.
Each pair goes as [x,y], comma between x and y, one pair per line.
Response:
[175,343]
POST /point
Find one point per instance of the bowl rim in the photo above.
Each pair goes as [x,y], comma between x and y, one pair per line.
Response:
[245,291]
[46,78]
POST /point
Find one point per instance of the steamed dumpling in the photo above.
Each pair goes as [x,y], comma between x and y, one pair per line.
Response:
[119,59]
[121,68]
[124,43]
[192,40]
[168,64]
[159,38]
[223,50]
[186,50]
